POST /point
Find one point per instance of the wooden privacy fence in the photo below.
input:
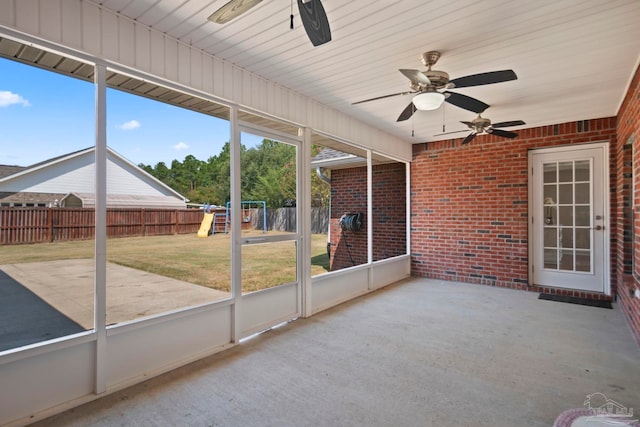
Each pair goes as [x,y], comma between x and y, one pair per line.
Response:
[20,225]
[36,225]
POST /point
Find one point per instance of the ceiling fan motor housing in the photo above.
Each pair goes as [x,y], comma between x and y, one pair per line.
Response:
[438,79]
[480,124]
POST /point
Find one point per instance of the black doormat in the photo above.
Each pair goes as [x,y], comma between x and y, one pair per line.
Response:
[576,300]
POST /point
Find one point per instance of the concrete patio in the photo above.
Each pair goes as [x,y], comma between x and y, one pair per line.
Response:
[419,353]
[58,296]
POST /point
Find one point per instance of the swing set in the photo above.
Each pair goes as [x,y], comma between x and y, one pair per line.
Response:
[248,206]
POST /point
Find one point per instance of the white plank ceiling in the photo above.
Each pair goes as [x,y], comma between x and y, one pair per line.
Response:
[574,58]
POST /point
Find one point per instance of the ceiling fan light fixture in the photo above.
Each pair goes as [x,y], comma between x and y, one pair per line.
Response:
[428,100]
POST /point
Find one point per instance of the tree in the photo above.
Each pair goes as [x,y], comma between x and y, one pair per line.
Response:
[268,172]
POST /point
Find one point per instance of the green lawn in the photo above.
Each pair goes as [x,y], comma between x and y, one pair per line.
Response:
[203,261]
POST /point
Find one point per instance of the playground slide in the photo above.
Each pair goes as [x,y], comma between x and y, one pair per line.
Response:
[205,226]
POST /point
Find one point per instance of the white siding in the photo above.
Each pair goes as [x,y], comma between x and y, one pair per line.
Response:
[77,175]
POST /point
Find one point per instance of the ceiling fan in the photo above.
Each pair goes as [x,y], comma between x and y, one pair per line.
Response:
[314,18]
[428,85]
[481,125]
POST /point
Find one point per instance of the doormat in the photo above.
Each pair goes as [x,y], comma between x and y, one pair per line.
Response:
[576,300]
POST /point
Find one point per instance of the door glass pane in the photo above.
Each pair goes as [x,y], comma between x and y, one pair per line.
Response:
[583,261]
[550,173]
[566,215]
[566,260]
[583,193]
[551,259]
[583,238]
[565,172]
[565,192]
[583,216]
[550,237]
[566,234]
[583,170]
[550,194]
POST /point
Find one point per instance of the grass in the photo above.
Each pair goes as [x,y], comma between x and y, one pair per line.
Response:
[203,261]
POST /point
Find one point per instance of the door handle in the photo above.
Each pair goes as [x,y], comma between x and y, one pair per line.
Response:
[598,227]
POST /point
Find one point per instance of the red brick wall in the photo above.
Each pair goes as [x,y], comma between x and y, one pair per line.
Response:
[349,195]
[389,195]
[469,204]
[629,136]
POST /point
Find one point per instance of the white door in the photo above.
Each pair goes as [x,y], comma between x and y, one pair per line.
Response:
[569,217]
[270,235]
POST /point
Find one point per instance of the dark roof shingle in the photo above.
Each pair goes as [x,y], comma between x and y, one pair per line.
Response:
[6,170]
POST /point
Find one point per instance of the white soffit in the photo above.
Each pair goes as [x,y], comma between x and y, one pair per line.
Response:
[574,58]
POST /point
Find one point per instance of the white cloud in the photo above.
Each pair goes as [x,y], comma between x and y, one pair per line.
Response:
[180,146]
[130,125]
[9,98]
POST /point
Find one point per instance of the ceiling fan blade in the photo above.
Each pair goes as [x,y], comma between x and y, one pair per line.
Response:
[469,138]
[315,21]
[483,79]
[453,131]
[416,76]
[383,97]
[407,112]
[231,10]
[507,124]
[503,133]
[465,102]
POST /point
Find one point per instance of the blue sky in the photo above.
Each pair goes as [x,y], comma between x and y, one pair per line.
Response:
[45,114]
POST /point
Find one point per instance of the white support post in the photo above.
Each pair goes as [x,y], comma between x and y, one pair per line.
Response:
[408,206]
[304,221]
[100,279]
[370,217]
[236,248]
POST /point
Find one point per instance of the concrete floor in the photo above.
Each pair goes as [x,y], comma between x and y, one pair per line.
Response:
[419,353]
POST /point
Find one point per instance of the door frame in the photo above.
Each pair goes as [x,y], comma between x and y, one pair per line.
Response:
[604,145]
[249,321]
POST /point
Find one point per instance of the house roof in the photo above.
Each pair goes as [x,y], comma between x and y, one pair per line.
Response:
[30,197]
[330,158]
[6,170]
[124,201]
[20,171]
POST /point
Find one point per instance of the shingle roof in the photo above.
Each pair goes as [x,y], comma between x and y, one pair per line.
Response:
[22,197]
[330,154]
[6,170]
[333,159]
